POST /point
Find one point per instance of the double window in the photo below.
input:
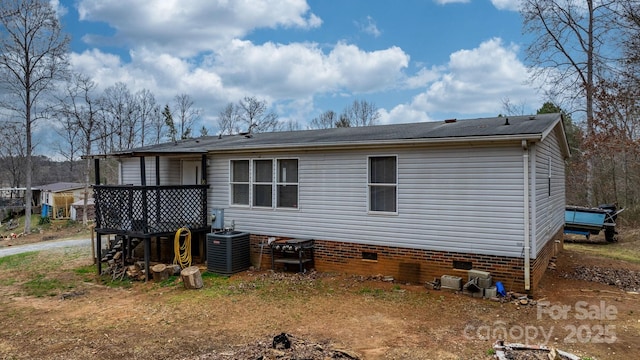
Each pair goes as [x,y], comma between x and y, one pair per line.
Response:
[258,183]
[383,184]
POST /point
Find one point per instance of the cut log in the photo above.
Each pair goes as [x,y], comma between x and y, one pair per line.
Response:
[174,269]
[191,277]
[159,272]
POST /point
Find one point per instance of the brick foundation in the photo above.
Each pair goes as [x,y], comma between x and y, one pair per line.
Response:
[540,264]
[414,265]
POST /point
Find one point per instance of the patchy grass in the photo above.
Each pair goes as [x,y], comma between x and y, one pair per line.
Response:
[12,262]
[610,251]
[627,249]
[375,318]
[41,286]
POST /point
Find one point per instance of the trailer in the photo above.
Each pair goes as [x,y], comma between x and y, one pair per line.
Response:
[590,221]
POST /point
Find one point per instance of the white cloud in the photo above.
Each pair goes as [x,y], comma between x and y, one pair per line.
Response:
[303,69]
[445,2]
[423,77]
[200,50]
[189,27]
[403,114]
[513,5]
[369,27]
[477,80]
[281,74]
[60,9]
[474,81]
[363,71]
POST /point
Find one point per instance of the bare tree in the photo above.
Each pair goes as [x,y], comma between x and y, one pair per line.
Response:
[630,22]
[360,113]
[510,108]
[150,117]
[185,115]
[121,124]
[326,120]
[617,140]
[256,116]
[229,120]
[69,144]
[33,56]
[79,110]
[291,125]
[568,50]
[248,115]
[12,152]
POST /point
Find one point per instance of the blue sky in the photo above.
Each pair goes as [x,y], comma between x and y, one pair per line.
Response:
[416,60]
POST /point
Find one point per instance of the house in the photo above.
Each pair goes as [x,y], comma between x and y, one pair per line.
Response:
[56,199]
[412,201]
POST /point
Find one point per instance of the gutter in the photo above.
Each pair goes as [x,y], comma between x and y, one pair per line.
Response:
[380,143]
[527,240]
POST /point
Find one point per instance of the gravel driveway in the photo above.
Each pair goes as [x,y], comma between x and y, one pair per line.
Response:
[45,245]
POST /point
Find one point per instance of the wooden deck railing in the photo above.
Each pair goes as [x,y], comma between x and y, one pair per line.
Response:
[149,210]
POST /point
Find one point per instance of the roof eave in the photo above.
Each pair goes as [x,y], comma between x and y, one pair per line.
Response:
[387,143]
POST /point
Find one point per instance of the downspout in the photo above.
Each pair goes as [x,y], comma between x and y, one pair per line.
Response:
[527,245]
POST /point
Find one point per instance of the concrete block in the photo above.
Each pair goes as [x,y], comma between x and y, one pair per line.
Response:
[450,282]
[485,283]
[479,274]
[490,292]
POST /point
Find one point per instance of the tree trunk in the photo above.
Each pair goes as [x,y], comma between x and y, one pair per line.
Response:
[160,272]
[191,277]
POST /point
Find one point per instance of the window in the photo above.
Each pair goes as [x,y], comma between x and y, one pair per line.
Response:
[240,182]
[287,186]
[262,183]
[382,184]
[257,183]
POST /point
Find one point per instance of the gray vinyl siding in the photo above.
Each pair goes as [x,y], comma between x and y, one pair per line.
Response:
[549,206]
[169,171]
[463,199]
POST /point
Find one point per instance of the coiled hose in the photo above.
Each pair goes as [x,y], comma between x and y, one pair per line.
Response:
[182,251]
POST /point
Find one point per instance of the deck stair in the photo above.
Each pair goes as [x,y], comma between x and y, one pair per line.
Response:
[121,244]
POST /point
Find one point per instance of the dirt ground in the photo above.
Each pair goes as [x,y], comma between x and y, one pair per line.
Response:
[327,315]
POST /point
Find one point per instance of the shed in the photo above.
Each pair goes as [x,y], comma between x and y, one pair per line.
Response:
[413,201]
[78,208]
[57,198]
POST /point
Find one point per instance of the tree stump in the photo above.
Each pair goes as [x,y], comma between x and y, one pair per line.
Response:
[191,277]
[160,272]
[174,269]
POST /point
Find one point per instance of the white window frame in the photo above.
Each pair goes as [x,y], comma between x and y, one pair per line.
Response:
[370,185]
[287,183]
[275,183]
[255,183]
[232,183]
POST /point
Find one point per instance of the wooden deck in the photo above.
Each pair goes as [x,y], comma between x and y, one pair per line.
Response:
[146,212]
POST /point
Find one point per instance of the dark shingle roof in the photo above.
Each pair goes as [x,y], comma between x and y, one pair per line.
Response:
[524,127]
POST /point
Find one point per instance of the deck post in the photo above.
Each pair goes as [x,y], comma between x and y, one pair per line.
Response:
[147,251]
[96,166]
[99,252]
